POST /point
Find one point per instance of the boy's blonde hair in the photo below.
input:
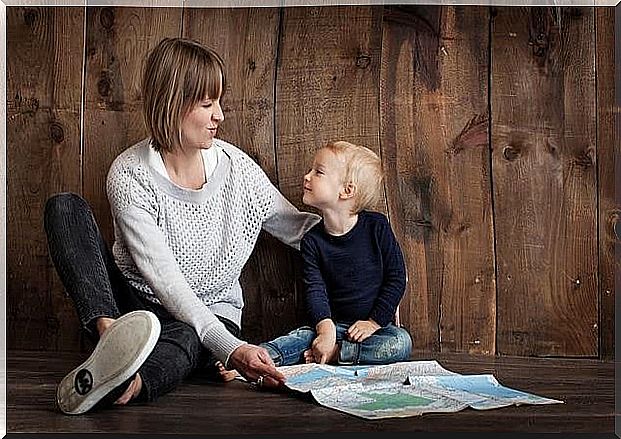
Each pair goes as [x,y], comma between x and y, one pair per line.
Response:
[363,169]
[178,74]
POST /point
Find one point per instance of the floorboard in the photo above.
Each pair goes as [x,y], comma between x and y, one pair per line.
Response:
[200,407]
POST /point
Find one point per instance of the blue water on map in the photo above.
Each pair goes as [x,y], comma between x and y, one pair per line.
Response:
[480,385]
[345,372]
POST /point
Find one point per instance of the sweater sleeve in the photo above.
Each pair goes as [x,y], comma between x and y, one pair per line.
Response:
[283,220]
[135,219]
[393,284]
[317,302]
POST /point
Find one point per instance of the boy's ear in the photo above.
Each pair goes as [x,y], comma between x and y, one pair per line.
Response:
[348,191]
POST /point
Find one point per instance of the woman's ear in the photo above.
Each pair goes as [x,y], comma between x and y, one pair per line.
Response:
[348,191]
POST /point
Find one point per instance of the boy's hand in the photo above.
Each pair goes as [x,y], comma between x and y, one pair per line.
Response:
[361,330]
[324,347]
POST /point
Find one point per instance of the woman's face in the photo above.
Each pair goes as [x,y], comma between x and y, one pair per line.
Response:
[200,126]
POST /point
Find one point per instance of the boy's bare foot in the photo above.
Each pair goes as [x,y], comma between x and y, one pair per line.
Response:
[309,357]
[225,374]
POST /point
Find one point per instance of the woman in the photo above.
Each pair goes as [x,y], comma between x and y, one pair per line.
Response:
[187,210]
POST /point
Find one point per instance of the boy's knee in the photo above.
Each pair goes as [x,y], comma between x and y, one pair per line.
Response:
[405,342]
[398,347]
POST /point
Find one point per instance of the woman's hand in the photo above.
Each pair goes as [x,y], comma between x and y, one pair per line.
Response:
[253,362]
[361,330]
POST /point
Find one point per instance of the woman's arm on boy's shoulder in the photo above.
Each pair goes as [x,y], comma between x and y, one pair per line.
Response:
[286,223]
[393,283]
[282,219]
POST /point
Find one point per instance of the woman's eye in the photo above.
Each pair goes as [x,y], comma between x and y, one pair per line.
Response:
[319,172]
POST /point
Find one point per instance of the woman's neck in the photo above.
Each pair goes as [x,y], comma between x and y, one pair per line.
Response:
[185,167]
[338,223]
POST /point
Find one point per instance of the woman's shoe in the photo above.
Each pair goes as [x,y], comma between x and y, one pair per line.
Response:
[120,352]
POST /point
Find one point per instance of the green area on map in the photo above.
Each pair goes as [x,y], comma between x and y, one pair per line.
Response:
[385,401]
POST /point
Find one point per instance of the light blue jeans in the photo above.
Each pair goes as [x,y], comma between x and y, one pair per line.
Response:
[389,344]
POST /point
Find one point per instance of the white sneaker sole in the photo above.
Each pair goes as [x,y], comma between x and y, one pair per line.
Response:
[120,352]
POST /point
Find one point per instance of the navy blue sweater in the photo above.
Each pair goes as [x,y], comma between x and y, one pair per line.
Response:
[356,276]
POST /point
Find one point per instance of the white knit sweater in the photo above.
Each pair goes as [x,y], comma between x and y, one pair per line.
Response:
[184,248]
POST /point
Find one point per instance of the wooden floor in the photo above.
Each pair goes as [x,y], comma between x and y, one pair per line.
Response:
[198,407]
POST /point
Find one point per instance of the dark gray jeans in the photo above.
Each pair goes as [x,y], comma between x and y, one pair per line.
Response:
[98,289]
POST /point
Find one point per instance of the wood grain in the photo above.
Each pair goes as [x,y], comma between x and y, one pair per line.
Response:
[435,146]
[544,177]
[586,387]
[607,149]
[327,86]
[118,41]
[43,158]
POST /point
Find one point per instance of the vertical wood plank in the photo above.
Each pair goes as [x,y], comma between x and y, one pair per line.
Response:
[327,89]
[435,146]
[607,149]
[117,42]
[247,38]
[43,158]
[544,177]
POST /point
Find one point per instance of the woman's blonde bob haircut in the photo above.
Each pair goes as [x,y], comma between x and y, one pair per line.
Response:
[178,74]
[363,170]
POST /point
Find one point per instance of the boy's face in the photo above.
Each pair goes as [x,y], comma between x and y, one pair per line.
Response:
[324,182]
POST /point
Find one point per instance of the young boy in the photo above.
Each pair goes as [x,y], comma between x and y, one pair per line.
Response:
[354,273]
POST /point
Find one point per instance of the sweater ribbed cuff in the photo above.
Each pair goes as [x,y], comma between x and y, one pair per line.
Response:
[221,342]
[382,318]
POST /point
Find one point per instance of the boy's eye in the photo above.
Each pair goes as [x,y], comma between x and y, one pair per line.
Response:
[207,105]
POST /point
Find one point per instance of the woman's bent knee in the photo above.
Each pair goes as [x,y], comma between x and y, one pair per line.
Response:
[63,205]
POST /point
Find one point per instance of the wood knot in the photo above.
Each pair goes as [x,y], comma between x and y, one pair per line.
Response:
[584,158]
[106,18]
[30,16]
[104,85]
[510,153]
[252,66]
[363,61]
[551,147]
[616,228]
[57,132]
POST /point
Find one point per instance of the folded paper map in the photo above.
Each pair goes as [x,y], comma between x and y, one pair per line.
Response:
[402,389]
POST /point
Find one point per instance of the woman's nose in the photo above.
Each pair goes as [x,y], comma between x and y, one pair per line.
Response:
[218,114]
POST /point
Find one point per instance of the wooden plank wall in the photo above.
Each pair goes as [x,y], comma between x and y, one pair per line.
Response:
[545,180]
[495,127]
